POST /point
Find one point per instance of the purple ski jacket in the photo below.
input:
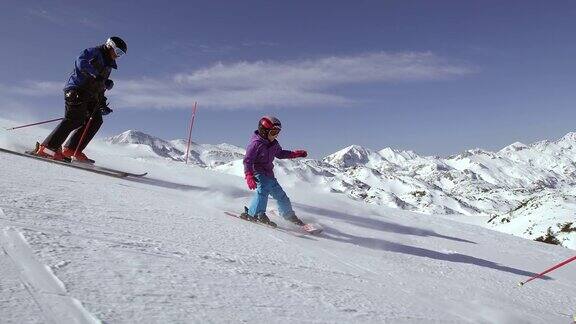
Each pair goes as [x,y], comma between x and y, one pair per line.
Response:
[260,154]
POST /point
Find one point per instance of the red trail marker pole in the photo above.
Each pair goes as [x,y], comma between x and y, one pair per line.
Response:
[563,263]
[190,130]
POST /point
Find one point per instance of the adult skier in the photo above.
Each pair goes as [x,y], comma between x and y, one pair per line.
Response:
[258,170]
[85,103]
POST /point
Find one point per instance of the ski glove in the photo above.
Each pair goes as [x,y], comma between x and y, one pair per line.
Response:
[250,180]
[109,84]
[298,153]
[105,110]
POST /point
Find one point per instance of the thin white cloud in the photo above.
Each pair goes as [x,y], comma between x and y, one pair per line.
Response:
[262,84]
[307,83]
[169,94]
[33,88]
[326,72]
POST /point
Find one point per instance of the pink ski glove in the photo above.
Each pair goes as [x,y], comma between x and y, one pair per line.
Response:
[250,180]
[298,153]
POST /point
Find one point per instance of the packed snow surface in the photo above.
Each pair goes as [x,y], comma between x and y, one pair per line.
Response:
[86,248]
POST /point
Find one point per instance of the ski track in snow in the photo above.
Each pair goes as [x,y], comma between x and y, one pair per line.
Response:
[162,251]
[48,293]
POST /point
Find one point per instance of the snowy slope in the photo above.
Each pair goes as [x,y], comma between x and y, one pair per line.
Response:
[87,248]
[478,183]
[548,217]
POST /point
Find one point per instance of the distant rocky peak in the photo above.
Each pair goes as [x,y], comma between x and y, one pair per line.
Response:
[350,156]
[397,156]
[134,137]
[514,147]
[567,140]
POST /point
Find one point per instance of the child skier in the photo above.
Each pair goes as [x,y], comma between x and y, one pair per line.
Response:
[258,164]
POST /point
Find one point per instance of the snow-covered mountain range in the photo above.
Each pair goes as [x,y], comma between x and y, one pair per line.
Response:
[204,155]
[514,188]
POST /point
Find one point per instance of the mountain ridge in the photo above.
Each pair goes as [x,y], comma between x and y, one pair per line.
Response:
[476,182]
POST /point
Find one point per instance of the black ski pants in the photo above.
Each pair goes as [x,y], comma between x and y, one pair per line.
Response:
[78,111]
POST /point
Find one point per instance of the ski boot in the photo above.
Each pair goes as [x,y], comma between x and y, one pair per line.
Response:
[245,215]
[263,218]
[80,157]
[47,153]
[260,218]
[295,220]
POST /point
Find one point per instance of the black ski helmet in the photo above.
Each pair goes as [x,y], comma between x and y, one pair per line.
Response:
[116,42]
[268,123]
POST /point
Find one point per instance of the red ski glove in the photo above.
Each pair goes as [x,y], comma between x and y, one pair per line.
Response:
[298,153]
[250,180]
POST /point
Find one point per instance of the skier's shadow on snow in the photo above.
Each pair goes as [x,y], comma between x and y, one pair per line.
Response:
[166,184]
[377,224]
[384,245]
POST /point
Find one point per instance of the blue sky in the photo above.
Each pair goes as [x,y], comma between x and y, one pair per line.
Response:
[436,77]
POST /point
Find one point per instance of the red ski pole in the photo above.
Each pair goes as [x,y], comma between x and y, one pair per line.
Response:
[190,130]
[549,270]
[38,123]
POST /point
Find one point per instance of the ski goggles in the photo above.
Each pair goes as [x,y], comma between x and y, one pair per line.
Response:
[118,51]
[274,131]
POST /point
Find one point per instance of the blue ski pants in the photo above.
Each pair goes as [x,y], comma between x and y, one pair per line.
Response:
[269,186]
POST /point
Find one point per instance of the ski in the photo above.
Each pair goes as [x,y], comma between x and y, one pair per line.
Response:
[90,168]
[238,216]
[125,173]
[287,231]
[312,229]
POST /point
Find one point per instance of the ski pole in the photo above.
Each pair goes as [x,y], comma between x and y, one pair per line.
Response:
[38,123]
[190,132]
[549,270]
[84,134]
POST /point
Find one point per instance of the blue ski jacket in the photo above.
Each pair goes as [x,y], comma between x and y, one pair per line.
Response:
[91,70]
